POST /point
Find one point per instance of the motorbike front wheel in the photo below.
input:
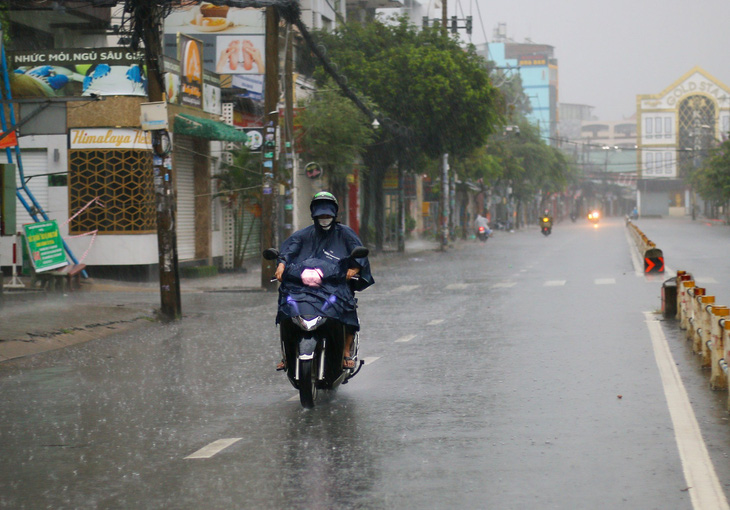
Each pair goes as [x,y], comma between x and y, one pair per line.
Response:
[307,383]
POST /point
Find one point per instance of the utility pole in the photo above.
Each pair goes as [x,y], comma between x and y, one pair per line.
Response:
[165,202]
[444,201]
[270,186]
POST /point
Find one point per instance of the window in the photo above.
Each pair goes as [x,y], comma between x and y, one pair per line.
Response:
[658,126]
[649,124]
[122,181]
[667,127]
[658,161]
[649,161]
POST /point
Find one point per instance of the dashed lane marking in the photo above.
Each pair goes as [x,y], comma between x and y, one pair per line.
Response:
[457,286]
[503,285]
[604,281]
[370,360]
[208,451]
[704,487]
[405,288]
[435,322]
[405,339]
[554,283]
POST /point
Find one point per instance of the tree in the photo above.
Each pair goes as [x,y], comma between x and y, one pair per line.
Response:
[712,179]
[335,134]
[434,96]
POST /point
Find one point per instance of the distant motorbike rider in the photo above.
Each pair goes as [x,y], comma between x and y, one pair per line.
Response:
[329,240]
[481,221]
[549,222]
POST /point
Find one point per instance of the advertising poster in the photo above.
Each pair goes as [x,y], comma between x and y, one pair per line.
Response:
[77,72]
[45,245]
[251,85]
[240,54]
[212,102]
[190,55]
[206,18]
[232,37]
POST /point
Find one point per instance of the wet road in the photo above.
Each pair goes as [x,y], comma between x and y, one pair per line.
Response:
[512,375]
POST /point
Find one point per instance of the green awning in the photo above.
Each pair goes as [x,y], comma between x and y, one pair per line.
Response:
[206,128]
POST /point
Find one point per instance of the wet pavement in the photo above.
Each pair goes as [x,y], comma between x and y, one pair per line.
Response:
[33,321]
[518,374]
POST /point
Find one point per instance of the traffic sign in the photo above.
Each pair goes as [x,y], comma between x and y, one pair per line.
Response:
[654,261]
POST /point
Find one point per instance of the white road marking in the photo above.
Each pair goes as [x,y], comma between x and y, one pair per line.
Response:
[405,288]
[295,398]
[503,285]
[405,339]
[208,451]
[435,322]
[699,473]
[457,286]
[370,360]
[604,281]
[554,283]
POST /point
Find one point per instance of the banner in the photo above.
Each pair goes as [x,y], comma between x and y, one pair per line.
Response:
[77,72]
[45,245]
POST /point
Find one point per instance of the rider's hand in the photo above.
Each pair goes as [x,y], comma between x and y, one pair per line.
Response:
[279,271]
[352,272]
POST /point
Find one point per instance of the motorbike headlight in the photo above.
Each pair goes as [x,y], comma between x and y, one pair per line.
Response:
[309,324]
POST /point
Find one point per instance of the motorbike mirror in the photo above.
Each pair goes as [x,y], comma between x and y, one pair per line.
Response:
[271,254]
[359,252]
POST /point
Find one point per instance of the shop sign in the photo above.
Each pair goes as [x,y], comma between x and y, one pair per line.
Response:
[190,55]
[106,138]
[77,72]
[45,245]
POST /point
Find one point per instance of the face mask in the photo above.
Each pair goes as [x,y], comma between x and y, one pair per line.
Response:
[325,223]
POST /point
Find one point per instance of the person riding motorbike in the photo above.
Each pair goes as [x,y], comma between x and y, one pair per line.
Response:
[329,240]
[481,221]
[549,222]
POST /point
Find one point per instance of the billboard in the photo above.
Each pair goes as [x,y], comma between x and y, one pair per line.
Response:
[233,38]
[77,73]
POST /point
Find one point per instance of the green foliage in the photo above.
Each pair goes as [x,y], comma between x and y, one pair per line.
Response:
[529,164]
[335,131]
[712,179]
[420,79]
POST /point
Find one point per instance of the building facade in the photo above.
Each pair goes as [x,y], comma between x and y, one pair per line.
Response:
[675,130]
[538,69]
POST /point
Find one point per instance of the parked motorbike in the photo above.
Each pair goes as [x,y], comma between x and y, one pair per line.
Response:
[482,234]
[546,225]
[313,295]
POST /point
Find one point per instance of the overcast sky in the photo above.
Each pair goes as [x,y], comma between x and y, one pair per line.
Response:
[608,52]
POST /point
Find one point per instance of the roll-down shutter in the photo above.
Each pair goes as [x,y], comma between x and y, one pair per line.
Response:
[185,187]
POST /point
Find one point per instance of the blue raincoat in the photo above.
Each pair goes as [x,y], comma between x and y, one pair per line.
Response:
[327,250]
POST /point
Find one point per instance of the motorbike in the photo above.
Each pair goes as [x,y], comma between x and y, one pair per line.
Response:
[546,225]
[314,294]
[482,234]
[594,216]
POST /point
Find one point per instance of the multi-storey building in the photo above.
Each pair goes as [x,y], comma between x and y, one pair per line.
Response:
[675,129]
[538,69]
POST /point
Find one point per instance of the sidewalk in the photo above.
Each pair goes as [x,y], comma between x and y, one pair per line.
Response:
[37,321]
